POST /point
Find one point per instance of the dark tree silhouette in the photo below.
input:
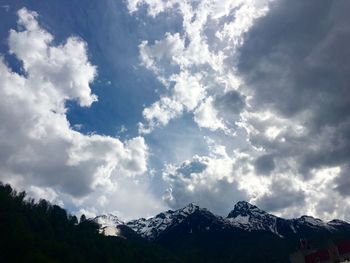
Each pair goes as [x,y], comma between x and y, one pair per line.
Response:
[41,232]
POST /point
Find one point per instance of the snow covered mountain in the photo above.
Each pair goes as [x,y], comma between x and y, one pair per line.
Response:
[197,235]
[109,225]
[108,220]
[251,218]
[244,217]
[151,228]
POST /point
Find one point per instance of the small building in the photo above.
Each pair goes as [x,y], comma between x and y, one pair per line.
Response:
[344,250]
[331,254]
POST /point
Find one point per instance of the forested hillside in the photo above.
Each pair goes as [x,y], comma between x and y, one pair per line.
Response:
[40,232]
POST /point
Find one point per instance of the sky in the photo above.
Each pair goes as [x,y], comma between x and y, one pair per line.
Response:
[132,107]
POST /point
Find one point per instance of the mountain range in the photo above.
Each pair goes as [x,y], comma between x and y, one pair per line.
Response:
[198,235]
[244,216]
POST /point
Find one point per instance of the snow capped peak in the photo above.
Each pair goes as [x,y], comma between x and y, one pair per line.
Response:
[193,204]
[151,228]
[244,205]
[190,208]
[251,218]
[108,220]
[109,224]
[313,222]
[243,208]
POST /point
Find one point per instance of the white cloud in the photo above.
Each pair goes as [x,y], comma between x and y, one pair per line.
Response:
[193,53]
[187,92]
[160,113]
[188,89]
[247,12]
[41,152]
[154,6]
[167,50]
[65,69]
[46,193]
[206,116]
[220,179]
[210,181]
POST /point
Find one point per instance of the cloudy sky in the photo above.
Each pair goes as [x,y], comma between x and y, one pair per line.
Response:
[135,106]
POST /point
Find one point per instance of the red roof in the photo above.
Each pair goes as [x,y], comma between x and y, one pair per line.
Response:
[344,247]
[318,256]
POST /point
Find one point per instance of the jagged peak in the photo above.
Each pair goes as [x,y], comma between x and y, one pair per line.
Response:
[245,204]
[188,209]
[192,204]
[191,207]
[244,208]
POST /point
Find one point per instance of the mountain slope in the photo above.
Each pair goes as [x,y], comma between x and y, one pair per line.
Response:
[41,232]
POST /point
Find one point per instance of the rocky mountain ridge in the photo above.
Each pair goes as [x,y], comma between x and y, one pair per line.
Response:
[244,217]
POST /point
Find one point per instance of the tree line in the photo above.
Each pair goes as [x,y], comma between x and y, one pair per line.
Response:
[41,232]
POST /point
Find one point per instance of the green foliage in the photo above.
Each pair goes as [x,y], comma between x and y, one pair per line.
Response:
[41,232]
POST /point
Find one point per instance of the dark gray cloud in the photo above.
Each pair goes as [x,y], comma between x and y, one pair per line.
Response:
[196,166]
[296,61]
[229,105]
[343,182]
[232,102]
[282,195]
[264,164]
